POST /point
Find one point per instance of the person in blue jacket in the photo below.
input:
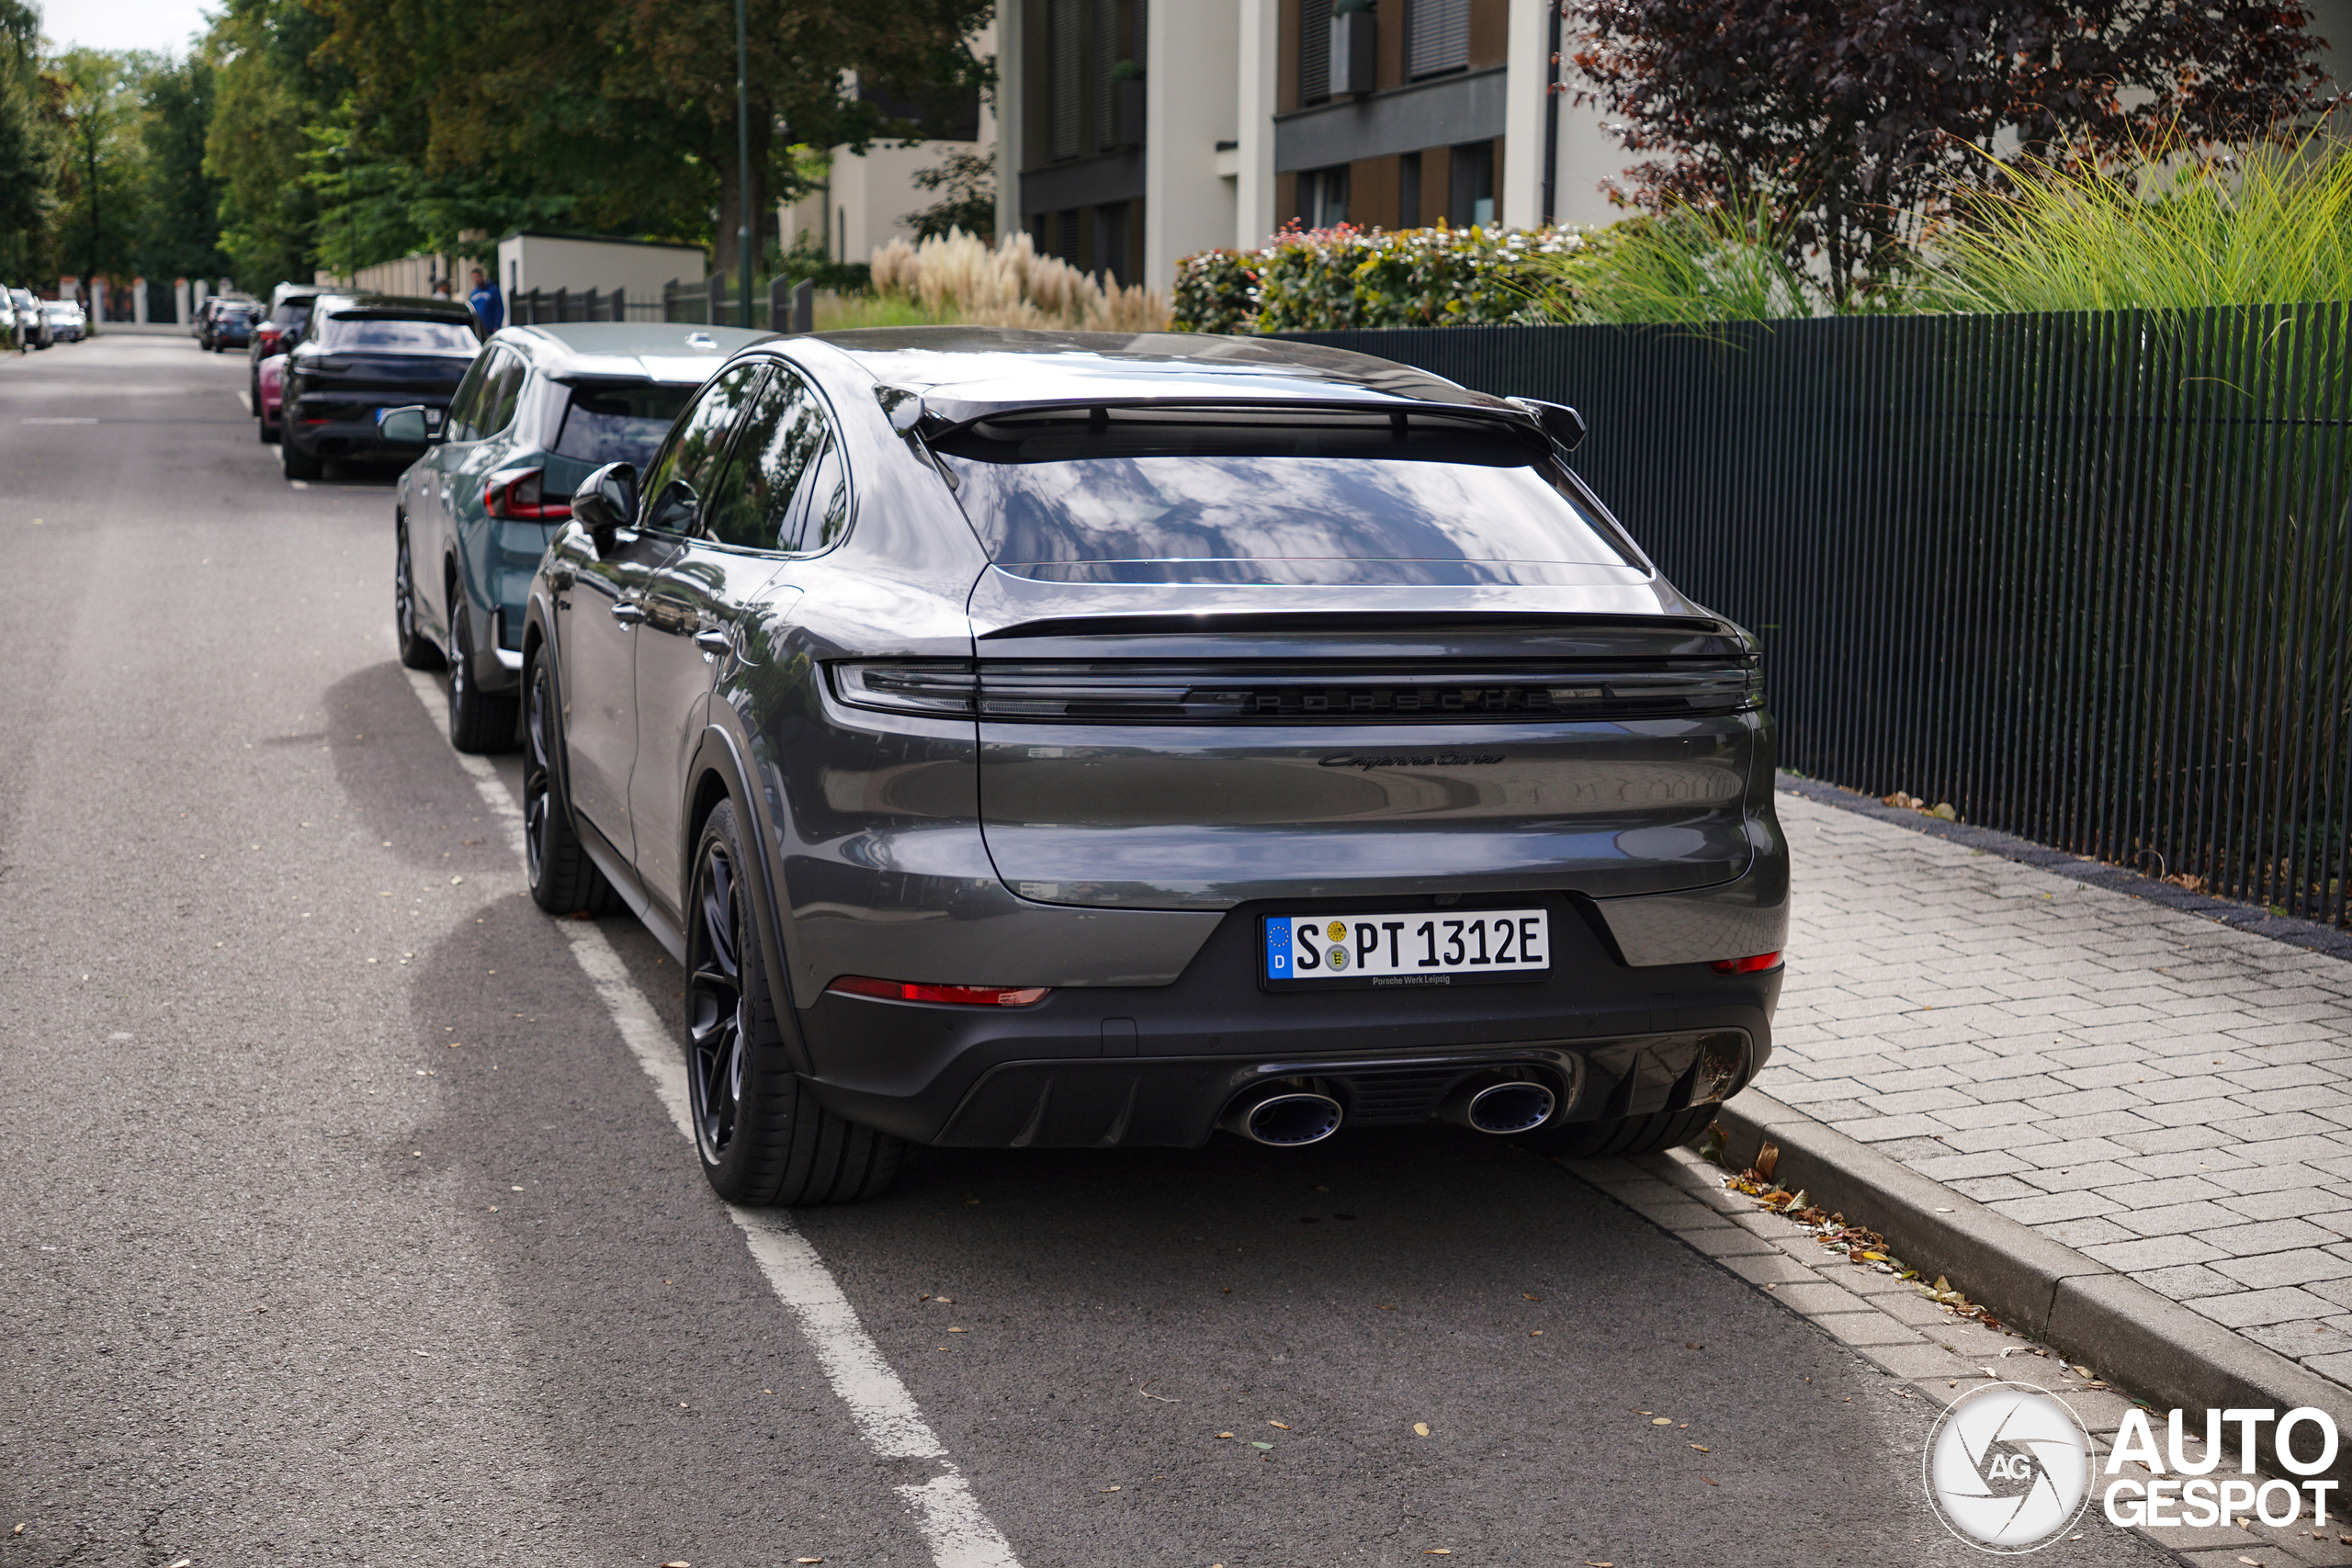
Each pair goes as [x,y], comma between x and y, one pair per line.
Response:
[489,309]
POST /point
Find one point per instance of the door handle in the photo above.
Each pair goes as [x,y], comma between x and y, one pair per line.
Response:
[627,612]
[714,642]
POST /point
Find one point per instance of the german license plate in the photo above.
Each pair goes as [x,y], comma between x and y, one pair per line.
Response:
[1425,948]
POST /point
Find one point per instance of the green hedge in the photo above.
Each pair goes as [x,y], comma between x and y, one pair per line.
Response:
[1345,277]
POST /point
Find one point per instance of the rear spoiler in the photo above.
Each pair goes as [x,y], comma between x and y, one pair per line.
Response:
[1297,621]
[936,417]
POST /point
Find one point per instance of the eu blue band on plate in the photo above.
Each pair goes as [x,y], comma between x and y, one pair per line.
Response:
[1278,950]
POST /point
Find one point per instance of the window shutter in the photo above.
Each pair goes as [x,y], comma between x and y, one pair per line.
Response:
[1065,71]
[1313,51]
[1437,37]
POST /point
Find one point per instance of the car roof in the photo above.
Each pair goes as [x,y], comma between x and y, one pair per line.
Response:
[966,373]
[661,351]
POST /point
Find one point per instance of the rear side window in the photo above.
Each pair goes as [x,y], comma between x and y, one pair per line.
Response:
[782,439]
[1347,504]
[618,423]
[466,401]
[501,393]
[375,334]
[684,473]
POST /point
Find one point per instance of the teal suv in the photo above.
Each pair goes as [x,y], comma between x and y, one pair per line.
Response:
[539,410]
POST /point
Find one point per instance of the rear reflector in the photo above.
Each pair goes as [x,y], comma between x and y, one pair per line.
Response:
[1746,965]
[964,996]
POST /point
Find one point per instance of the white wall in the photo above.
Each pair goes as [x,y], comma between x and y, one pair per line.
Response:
[539,261]
[1191,104]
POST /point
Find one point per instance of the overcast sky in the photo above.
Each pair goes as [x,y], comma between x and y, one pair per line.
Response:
[164,25]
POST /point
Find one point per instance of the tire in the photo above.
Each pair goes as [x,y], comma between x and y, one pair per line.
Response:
[480,721]
[564,881]
[1621,1139]
[761,1135]
[298,464]
[416,649]
[268,431]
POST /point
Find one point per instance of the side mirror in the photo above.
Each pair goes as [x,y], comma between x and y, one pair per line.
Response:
[414,426]
[1561,423]
[606,503]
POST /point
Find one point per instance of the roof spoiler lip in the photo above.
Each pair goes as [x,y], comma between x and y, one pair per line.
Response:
[1160,622]
[942,417]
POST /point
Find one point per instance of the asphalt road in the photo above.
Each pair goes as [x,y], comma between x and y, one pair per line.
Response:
[341,1225]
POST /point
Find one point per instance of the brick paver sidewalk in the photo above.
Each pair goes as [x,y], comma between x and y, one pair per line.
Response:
[2169,1096]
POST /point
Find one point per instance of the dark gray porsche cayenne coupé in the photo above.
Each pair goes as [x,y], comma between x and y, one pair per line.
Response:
[1037,740]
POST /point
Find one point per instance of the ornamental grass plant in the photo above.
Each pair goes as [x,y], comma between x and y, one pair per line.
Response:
[957,277]
[2271,226]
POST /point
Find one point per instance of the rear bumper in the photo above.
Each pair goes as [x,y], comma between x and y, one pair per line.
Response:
[1097,1066]
[344,438]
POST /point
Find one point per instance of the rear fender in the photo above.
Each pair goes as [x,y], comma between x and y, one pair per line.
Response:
[721,756]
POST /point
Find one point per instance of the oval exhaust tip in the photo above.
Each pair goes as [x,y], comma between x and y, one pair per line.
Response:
[1291,1120]
[1513,1107]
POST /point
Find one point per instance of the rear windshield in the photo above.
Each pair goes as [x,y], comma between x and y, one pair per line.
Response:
[382,335]
[619,423]
[1358,506]
[293,312]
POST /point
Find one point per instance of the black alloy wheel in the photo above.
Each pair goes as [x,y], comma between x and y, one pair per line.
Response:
[762,1137]
[564,881]
[416,649]
[479,720]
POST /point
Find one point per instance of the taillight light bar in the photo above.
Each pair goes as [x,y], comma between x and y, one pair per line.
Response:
[963,996]
[514,494]
[1753,964]
[1171,692]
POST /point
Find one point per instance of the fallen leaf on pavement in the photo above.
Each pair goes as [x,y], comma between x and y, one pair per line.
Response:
[1662,1421]
[1702,1447]
[1710,1481]
[1256,1444]
[1224,1433]
[1420,1429]
[1283,1424]
[1768,1159]
[1106,1489]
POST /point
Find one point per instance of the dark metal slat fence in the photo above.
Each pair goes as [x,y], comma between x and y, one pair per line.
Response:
[2087,577]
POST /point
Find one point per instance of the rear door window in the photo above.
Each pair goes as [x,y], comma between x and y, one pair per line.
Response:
[689,463]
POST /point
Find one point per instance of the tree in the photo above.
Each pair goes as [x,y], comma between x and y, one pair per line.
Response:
[969,180]
[1852,122]
[100,207]
[624,119]
[269,83]
[28,143]
[182,235]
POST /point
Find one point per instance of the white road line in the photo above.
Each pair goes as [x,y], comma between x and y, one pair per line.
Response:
[945,1512]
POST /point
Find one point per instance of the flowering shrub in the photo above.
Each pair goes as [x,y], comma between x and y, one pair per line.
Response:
[1329,279]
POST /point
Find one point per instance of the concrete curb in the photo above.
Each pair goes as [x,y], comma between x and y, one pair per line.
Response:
[2156,1348]
[2307,934]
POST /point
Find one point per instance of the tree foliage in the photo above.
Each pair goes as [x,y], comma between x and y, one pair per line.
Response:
[29,105]
[968,180]
[1855,122]
[472,117]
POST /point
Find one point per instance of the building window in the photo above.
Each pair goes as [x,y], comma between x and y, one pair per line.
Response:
[1409,191]
[1065,235]
[1437,37]
[1323,197]
[1313,51]
[1119,28]
[1470,184]
[1110,241]
[1065,58]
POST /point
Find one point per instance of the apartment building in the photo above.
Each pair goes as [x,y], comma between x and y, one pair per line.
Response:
[1137,132]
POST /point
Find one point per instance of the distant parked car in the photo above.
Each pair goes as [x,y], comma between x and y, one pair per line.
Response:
[231,326]
[33,330]
[269,380]
[290,313]
[541,408]
[361,355]
[65,323]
